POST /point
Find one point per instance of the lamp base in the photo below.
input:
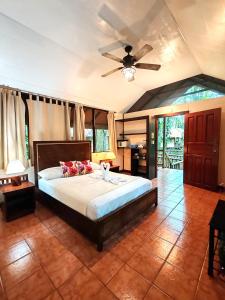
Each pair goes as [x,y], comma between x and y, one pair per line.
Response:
[16,180]
[107,161]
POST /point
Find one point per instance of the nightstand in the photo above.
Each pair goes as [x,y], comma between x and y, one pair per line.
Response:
[115,169]
[17,200]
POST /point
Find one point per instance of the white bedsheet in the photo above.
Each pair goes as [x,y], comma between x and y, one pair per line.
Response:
[94,197]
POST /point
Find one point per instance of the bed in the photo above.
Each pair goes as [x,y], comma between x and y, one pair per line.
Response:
[101,208]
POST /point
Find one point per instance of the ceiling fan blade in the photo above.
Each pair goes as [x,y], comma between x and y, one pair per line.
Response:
[113,46]
[113,57]
[147,66]
[117,24]
[142,52]
[110,72]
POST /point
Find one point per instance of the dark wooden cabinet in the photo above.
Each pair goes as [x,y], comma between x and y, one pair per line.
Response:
[17,200]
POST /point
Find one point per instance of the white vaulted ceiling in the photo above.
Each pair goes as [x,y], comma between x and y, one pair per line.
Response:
[53,46]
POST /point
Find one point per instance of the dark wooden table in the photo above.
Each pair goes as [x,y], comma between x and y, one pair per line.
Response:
[114,168]
[17,200]
[217,223]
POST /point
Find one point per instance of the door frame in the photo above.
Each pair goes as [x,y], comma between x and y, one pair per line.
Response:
[156,117]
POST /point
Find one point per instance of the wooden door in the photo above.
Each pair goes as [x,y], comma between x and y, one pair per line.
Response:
[201,148]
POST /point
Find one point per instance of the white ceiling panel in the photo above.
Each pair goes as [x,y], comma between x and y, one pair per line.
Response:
[54,46]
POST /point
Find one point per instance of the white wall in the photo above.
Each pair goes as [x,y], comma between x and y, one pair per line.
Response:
[194,107]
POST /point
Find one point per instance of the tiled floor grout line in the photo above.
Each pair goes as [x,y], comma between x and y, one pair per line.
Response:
[83,265]
[202,268]
[125,263]
[28,275]
[165,261]
[156,256]
[2,285]
[17,258]
[42,266]
[105,284]
[205,257]
[182,217]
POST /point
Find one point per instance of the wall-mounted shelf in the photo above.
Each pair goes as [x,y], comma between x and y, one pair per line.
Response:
[122,140]
[133,119]
[136,168]
[133,133]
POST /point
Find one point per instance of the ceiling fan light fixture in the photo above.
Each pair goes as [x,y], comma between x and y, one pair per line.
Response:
[128,73]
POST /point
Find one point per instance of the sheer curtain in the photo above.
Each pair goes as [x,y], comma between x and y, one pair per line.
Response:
[12,127]
[79,122]
[112,132]
[48,120]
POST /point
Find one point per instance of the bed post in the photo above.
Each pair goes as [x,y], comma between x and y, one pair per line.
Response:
[99,236]
[156,200]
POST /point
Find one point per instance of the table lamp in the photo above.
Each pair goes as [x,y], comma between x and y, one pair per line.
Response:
[15,166]
[107,157]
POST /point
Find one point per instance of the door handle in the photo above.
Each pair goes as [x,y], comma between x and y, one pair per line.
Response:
[214,150]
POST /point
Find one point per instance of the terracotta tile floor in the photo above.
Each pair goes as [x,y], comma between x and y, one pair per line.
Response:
[159,256]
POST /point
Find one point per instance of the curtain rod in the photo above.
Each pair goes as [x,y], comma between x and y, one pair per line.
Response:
[45,96]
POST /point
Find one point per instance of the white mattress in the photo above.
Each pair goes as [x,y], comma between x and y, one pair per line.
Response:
[94,197]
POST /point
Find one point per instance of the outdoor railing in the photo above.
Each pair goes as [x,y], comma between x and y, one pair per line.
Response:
[173,159]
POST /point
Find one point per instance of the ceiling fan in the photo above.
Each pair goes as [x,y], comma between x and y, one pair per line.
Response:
[130,62]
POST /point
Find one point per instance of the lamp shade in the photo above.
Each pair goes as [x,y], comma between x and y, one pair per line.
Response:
[98,156]
[110,155]
[15,166]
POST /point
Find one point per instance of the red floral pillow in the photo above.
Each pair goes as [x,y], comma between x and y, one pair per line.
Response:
[84,167]
[69,168]
[85,162]
[76,168]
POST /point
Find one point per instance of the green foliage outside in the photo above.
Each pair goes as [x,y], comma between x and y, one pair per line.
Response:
[102,139]
[173,138]
[27,153]
[174,142]
[197,93]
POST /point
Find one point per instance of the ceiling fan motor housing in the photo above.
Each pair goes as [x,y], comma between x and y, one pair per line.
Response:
[128,48]
[128,61]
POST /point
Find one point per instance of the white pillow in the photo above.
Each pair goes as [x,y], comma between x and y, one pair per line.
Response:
[51,173]
[95,166]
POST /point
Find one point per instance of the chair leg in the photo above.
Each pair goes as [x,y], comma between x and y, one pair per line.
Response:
[211,251]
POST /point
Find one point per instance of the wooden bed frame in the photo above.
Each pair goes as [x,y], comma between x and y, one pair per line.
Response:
[48,154]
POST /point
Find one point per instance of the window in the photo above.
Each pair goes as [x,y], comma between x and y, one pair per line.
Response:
[197,93]
[89,126]
[27,153]
[101,131]
[96,129]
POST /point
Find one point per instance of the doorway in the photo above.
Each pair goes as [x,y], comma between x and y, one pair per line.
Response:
[192,150]
[170,143]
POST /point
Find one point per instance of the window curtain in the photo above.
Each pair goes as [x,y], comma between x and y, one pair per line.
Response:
[79,124]
[12,127]
[112,132]
[48,121]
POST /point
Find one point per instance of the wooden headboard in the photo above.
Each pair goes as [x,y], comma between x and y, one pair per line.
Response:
[48,153]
